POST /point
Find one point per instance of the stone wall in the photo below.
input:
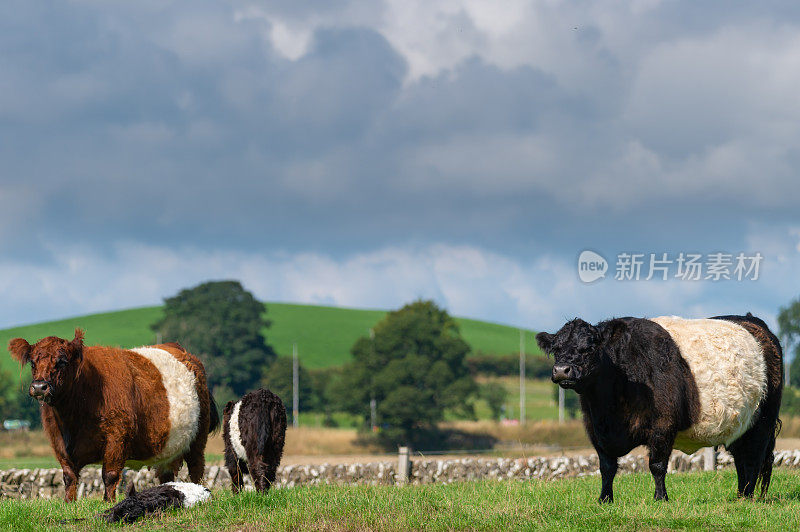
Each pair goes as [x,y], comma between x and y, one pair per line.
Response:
[44,483]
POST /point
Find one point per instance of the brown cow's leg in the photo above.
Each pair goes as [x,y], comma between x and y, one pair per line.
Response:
[71,476]
[196,459]
[113,462]
[168,472]
[70,470]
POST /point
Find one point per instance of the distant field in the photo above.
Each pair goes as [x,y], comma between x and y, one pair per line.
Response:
[699,501]
[324,335]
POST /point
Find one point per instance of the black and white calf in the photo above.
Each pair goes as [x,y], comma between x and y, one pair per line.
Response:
[254,430]
[674,383]
[157,499]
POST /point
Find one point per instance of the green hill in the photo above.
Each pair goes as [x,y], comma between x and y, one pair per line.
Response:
[323,335]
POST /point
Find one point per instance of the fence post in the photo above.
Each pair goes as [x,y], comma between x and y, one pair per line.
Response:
[710,459]
[403,465]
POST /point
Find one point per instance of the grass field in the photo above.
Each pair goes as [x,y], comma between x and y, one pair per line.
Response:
[699,501]
[324,335]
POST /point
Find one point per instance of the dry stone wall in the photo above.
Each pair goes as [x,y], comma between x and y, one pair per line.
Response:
[45,483]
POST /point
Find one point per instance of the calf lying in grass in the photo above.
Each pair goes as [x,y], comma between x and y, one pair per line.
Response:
[157,499]
[151,501]
[254,430]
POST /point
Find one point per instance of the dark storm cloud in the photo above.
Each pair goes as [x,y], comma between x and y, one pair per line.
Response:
[347,128]
[185,124]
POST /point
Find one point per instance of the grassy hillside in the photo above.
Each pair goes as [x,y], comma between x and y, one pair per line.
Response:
[698,501]
[323,335]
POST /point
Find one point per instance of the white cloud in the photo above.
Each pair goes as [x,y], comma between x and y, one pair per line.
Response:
[468,280]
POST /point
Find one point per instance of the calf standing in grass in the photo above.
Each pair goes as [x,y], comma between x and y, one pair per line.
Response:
[674,383]
[254,430]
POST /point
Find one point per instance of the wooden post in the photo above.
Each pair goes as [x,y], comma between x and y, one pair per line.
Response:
[710,459]
[403,465]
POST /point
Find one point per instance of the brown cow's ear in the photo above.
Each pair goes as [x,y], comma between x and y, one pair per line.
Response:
[77,344]
[20,349]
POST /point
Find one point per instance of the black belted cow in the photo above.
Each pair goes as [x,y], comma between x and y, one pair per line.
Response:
[677,383]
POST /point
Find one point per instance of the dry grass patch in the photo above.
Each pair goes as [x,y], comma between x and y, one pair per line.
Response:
[310,441]
[20,443]
[569,434]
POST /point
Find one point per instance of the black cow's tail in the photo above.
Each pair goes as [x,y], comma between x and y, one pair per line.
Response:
[278,418]
[765,474]
[272,427]
[213,413]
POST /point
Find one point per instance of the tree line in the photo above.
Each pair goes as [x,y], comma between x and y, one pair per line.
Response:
[414,368]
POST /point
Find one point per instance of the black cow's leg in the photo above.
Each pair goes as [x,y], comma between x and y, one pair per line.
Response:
[660,449]
[258,471]
[608,469]
[234,467]
[272,467]
[748,454]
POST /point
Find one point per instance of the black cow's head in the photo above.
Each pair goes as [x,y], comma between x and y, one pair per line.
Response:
[576,350]
[54,363]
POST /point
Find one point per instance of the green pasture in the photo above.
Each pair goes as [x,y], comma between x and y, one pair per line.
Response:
[699,501]
[324,335]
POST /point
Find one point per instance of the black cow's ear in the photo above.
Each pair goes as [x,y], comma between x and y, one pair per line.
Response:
[228,407]
[131,490]
[20,350]
[545,341]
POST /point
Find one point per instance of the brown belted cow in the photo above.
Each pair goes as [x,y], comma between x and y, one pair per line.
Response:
[144,406]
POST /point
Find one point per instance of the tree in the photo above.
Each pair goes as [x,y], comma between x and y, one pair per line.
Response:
[222,324]
[8,395]
[495,395]
[278,379]
[789,332]
[414,368]
[15,403]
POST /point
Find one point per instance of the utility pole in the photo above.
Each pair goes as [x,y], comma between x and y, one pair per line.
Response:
[373,404]
[521,377]
[295,388]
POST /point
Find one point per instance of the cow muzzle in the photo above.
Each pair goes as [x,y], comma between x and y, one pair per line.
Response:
[565,375]
[42,391]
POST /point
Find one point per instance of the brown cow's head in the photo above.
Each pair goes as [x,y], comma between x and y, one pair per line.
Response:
[54,363]
[576,348]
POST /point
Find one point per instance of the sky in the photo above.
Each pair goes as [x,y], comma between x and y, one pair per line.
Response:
[365,154]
